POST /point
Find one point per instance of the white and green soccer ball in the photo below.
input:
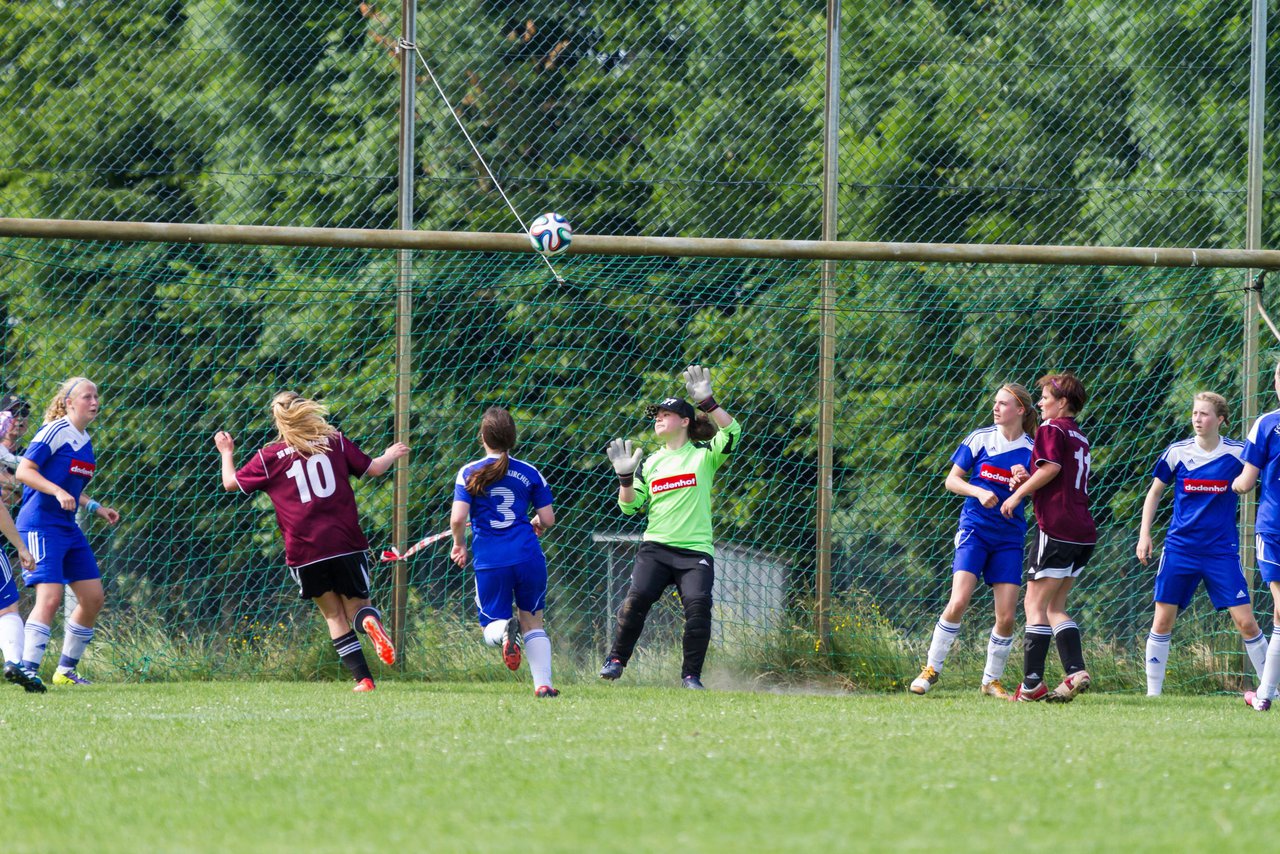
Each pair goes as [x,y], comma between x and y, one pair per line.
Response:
[550,234]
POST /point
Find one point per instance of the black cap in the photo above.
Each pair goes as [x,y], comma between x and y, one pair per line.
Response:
[12,403]
[672,404]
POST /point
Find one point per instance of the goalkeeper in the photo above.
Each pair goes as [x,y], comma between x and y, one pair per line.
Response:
[674,487]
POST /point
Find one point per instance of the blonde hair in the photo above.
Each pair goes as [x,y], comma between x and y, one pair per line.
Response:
[1030,418]
[1217,401]
[57,407]
[302,423]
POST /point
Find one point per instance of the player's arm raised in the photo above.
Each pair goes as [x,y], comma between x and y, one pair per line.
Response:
[625,460]
[697,381]
[226,448]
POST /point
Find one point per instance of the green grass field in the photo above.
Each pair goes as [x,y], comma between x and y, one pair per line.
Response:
[418,767]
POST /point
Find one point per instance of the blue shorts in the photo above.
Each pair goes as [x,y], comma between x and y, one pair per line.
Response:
[1179,574]
[62,556]
[496,587]
[1266,552]
[994,563]
[8,584]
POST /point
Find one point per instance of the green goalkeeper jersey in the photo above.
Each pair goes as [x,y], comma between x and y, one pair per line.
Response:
[674,487]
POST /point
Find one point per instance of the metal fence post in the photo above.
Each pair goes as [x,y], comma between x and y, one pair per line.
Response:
[827,333]
[1253,240]
[404,314]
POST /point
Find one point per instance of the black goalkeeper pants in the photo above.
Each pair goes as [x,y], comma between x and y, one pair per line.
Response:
[656,568]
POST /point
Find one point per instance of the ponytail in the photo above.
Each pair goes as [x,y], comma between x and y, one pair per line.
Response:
[702,428]
[498,431]
[58,404]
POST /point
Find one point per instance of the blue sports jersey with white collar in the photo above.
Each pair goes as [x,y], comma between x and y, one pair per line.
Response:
[989,458]
[501,534]
[1263,450]
[65,457]
[1204,507]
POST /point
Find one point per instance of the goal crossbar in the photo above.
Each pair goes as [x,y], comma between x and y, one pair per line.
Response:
[594,244]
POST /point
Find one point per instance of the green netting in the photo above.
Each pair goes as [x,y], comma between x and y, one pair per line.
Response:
[187,339]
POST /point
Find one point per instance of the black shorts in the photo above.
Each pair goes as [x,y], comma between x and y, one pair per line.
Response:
[1050,558]
[658,566]
[346,575]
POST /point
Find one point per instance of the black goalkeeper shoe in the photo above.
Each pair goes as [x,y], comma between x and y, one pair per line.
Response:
[693,682]
[612,669]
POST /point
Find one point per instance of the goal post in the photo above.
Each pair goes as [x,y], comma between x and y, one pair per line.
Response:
[190,328]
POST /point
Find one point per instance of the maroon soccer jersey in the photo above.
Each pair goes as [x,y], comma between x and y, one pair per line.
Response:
[315,506]
[1062,506]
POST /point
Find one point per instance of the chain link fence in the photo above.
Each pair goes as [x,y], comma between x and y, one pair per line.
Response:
[1102,121]
[188,339]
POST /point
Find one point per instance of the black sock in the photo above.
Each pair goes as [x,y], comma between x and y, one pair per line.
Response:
[1035,649]
[348,648]
[366,611]
[1070,647]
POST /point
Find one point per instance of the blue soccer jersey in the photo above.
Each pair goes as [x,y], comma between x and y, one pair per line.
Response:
[1263,450]
[64,456]
[1204,507]
[989,458]
[501,534]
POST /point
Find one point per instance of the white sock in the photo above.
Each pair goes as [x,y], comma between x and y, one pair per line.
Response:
[1270,671]
[1157,659]
[537,650]
[493,632]
[998,649]
[11,637]
[37,638]
[1257,651]
[944,634]
[75,638]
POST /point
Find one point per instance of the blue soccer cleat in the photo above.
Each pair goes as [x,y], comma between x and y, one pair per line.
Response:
[693,682]
[612,669]
[19,675]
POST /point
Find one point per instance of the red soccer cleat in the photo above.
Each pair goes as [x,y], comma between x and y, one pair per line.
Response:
[381,642]
[1032,695]
[365,684]
[546,691]
[511,644]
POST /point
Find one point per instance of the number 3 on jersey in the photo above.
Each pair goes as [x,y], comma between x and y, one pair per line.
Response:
[315,478]
[506,498]
[1083,461]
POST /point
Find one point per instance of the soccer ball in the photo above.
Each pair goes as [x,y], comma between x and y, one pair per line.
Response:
[550,234]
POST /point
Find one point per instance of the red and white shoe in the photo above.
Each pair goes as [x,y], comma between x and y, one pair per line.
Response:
[1252,700]
[381,640]
[364,685]
[546,691]
[1023,694]
[1075,683]
[511,642]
